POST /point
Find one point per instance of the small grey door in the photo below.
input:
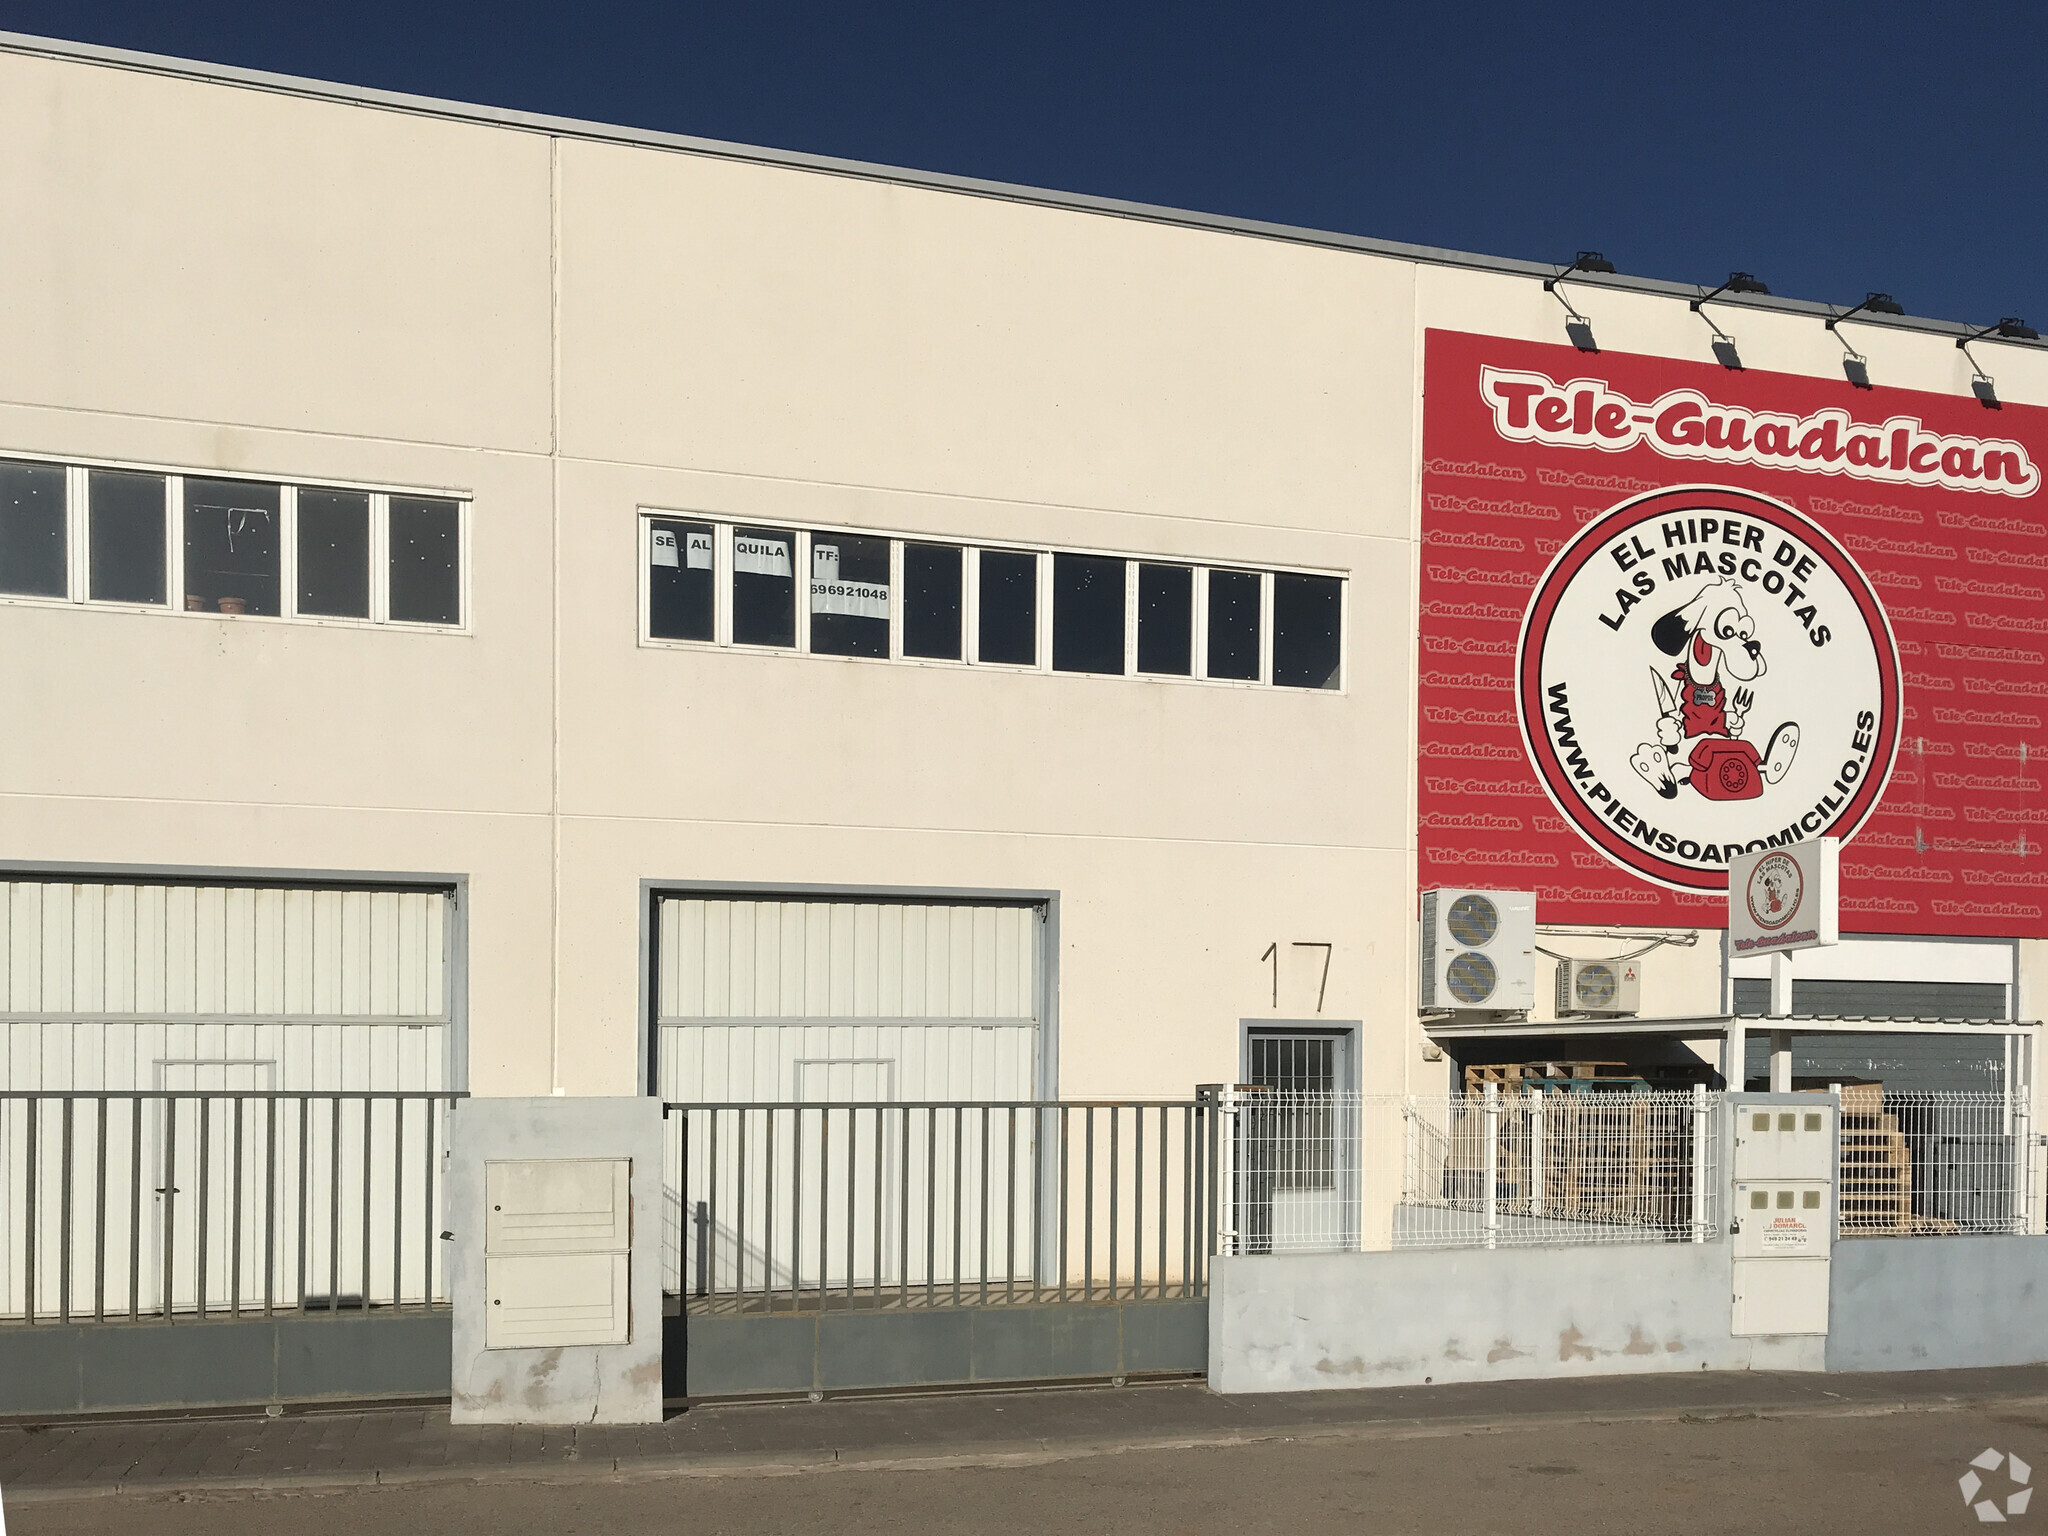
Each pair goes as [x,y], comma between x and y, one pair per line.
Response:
[1298,1179]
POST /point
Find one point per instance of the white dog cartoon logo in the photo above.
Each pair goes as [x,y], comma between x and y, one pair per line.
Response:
[1700,721]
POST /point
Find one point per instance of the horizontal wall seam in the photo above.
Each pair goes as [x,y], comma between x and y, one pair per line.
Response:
[543,456]
[847,1021]
[1058,836]
[240,805]
[701,821]
[539,455]
[160,1016]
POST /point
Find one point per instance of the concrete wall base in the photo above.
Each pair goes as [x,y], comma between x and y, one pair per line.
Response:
[1938,1303]
[1308,1322]
[302,1357]
[734,1356]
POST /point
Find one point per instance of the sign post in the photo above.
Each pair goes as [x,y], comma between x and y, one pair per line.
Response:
[1781,900]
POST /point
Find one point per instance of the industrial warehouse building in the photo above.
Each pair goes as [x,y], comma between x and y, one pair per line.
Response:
[529,609]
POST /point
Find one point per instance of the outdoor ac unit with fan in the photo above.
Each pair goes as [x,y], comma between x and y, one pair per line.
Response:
[1479,950]
[1599,988]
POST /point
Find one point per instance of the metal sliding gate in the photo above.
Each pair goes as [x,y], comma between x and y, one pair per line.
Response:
[806,1207]
[216,1203]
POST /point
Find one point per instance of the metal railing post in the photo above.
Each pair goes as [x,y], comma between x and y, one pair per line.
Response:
[1491,1163]
[1228,1235]
[2023,1153]
[1537,1176]
[1700,1191]
[29,1233]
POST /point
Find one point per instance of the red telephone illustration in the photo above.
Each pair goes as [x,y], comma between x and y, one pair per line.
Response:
[1724,768]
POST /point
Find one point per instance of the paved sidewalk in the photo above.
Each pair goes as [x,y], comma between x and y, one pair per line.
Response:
[344,1448]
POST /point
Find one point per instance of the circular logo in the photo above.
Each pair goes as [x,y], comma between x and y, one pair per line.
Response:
[1704,672]
[1979,1493]
[1776,887]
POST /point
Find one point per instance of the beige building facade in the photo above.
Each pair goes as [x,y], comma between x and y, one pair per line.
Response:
[571,371]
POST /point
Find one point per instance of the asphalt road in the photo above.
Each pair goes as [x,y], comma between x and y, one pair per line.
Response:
[1859,1471]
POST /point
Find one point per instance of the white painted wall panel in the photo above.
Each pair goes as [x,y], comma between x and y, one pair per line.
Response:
[847,959]
[121,1054]
[183,949]
[758,1062]
[750,989]
[342,989]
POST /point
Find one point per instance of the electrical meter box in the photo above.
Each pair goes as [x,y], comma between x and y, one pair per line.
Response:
[1782,1210]
[555,1318]
[558,1237]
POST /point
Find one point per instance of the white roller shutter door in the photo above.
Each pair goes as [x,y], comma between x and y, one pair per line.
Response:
[133,986]
[218,989]
[786,1001]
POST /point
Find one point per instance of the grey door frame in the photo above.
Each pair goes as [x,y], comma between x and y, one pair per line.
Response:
[1046,1074]
[1348,1127]
[1346,1030]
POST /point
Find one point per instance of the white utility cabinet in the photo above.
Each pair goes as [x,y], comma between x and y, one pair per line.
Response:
[1782,1216]
[558,1237]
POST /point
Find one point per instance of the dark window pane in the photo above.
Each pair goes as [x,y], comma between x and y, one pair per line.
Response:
[1087,613]
[1166,619]
[1234,625]
[127,563]
[426,561]
[679,582]
[231,546]
[849,595]
[32,535]
[1008,608]
[763,586]
[334,553]
[1308,639]
[931,601]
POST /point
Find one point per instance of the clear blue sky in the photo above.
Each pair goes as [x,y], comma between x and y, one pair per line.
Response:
[1828,147]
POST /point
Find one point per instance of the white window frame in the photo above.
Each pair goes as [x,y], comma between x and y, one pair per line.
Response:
[1041,616]
[723,574]
[78,546]
[1198,608]
[723,525]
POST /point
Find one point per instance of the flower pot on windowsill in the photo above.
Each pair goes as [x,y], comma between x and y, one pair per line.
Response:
[234,605]
[194,603]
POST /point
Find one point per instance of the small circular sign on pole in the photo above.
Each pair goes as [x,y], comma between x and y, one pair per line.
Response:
[1785,898]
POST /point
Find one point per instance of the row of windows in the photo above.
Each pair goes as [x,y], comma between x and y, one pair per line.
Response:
[871,595]
[223,546]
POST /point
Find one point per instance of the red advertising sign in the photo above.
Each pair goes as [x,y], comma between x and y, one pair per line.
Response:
[1672,614]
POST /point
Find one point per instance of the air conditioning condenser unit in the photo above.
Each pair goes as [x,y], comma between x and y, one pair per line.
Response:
[1599,988]
[1478,951]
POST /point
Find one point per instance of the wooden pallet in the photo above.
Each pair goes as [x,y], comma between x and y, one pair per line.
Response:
[1875,1179]
[1607,1157]
[1521,1076]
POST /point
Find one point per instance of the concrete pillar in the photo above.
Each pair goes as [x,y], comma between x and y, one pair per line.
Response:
[554,1261]
[1734,1047]
[1781,985]
[1781,1061]
[1781,1007]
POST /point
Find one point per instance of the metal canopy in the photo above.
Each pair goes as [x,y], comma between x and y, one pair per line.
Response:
[1695,1026]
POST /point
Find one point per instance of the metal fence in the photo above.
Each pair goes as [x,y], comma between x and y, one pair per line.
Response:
[1937,1164]
[190,1204]
[802,1207]
[176,1205]
[1337,1172]
[1340,1172]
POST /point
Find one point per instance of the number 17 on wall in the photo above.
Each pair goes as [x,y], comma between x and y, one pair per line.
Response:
[1323,983]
